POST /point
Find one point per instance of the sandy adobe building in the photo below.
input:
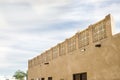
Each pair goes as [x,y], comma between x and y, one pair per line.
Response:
[92,54]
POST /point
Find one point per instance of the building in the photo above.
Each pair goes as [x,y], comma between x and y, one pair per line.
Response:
[92,54]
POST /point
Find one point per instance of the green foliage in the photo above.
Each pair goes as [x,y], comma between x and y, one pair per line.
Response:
[19,75]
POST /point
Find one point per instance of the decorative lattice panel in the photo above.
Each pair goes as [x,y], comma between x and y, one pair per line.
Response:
[55,52]
[62,48]
[39,59]
[48,55]
[29,63]
[99,32]
[43,57]
[83,38]
[71,44]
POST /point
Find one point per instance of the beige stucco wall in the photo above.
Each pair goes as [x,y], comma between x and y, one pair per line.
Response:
[100,63]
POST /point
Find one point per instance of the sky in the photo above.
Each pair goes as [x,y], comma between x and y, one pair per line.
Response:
[29,27]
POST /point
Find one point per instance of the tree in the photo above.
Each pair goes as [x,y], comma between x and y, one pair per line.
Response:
[19,75]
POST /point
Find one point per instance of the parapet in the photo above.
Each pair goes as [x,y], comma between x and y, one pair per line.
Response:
[94,33]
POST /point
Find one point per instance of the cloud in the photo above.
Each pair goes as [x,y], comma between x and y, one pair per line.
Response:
[29,27]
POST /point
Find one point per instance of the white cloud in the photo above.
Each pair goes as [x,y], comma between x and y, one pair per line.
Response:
[29,27]
[3,22]
[3,60]
[13,1]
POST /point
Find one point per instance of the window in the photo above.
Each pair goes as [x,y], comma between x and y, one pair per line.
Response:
[49,78]
[76,77]
[80,76]
[83,76]
[42,78]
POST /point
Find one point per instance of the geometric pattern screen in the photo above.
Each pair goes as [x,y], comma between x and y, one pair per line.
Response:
[48,55]
[99,32]
[62,49]
[55,52]
[83,39]
[71,44]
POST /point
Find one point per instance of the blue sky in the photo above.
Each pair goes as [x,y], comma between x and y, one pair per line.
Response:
[29,27]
